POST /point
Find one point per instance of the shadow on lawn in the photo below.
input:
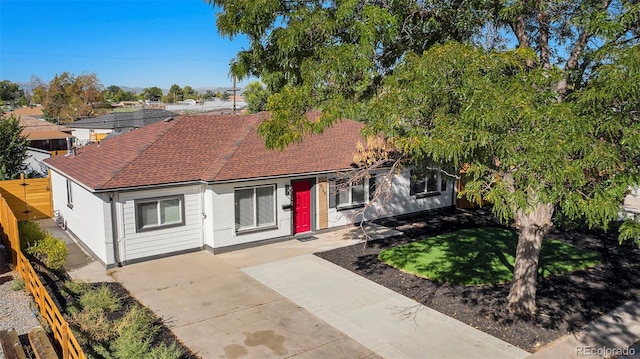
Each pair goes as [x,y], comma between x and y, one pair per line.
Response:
[565,303]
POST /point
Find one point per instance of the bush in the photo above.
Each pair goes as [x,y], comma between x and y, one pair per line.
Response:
[30,234]
[100,299]
[95,323]
[34,240]
[51,251]
[94,305]
[18,284]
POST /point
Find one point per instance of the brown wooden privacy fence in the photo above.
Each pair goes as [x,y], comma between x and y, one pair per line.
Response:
[28,198]
[49,311]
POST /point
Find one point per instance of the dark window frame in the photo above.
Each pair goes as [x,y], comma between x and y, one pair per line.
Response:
[138,217]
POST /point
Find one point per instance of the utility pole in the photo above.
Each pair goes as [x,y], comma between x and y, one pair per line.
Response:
[234,95]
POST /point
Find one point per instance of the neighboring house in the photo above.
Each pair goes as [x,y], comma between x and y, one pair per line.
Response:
[45,135]
[207,182]
[46,139]
[95,129]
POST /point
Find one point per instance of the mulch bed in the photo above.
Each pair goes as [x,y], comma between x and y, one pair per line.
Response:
[565,303]
[54,283]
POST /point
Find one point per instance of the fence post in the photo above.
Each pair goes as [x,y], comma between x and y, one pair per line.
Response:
[64,341]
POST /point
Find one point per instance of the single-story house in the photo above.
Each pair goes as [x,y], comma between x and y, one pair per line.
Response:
[206,181]
[45,135]
[89,130]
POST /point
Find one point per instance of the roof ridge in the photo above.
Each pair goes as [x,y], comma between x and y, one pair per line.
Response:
[236,142]
[138,153]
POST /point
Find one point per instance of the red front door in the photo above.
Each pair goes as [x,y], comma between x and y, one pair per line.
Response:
[301,206]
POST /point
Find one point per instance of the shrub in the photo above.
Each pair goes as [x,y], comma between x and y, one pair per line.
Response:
[76,287]
[135,332]
[51,251]
[95,304]
[18,284]
[93,324]
[38,242]
[30,234]
[100,299]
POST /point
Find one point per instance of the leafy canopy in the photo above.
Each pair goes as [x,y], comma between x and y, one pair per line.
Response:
[507,87]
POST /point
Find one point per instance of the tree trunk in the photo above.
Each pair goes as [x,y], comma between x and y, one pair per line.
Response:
[533,227]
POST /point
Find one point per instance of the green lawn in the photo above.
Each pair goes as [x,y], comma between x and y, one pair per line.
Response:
[481,256]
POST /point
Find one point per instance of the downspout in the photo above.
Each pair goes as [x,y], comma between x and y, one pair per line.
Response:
[203,190]
[114,231]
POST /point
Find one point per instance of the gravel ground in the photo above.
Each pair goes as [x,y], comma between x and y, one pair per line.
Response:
[15,306]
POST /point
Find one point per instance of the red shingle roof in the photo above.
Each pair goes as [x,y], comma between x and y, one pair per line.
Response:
[204,148]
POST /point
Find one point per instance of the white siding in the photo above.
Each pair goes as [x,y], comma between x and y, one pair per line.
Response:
[136,245]
[89,219]
[401,202]
[224,233]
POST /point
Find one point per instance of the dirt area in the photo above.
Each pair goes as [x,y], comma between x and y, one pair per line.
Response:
[565,303]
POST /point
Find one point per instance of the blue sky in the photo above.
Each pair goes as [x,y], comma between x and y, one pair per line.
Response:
[126,43]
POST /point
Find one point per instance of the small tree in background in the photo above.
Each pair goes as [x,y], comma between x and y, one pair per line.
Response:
[13,148]
[256,97]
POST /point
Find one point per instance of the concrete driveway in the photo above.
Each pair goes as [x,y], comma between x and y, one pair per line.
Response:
[220,312]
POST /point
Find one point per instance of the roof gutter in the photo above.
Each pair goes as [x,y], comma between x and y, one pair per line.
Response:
[280,176]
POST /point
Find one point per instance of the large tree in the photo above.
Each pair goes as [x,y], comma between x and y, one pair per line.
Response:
[10,92]
[116,94]
[151,93]
[527,94]
[13,148]
[67,98]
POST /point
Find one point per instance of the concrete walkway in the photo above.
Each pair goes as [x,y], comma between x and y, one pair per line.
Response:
[390,324]
[608,336]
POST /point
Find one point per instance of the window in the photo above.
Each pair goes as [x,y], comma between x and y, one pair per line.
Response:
[426,184]
[372,187]
[342,193]
[255,207]
[69,194]
[159,213]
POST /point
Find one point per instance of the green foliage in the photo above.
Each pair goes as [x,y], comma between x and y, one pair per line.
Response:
[152,93]
[30,234]
[67,98]
[18,284]
[75,287]
[13,148]
[34,240]
[482,256]
[51,251]
[116,94]
[95,304]
[10,92]
[135,333]
[256,97]
[175,94]
[132,335]
[208,95]
[630,230]
[100,299]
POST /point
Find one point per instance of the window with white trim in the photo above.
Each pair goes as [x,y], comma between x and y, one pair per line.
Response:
[159,213]
[427,183]
[69,194]
[255,207]
[343,193]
